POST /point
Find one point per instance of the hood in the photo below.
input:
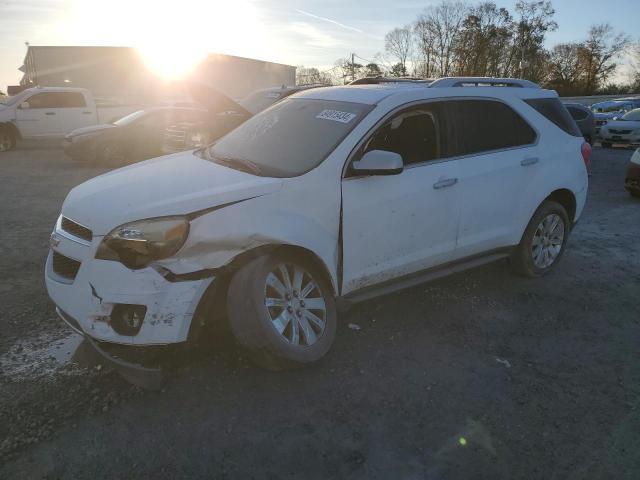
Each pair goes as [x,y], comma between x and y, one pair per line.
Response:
[91,129]
[623,124]
[176,184]
[213,99]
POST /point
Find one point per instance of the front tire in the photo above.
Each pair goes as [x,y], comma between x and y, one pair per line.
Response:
[543,241]
[282,310]
[7,140]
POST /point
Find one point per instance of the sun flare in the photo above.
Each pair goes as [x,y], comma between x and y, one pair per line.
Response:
[173,37]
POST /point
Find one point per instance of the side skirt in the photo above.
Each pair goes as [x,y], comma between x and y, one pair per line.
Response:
[424,276]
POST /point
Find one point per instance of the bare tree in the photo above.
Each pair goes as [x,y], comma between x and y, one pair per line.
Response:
[528,54]
[601,50]
[634,53]
[437,31]
[399,43]
[565,72]
[305,76]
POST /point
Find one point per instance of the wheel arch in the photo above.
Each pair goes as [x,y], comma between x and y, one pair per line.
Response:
[213,304]
[12,128]
[567,199]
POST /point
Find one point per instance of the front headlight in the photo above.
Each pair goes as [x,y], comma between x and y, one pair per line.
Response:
[137,244]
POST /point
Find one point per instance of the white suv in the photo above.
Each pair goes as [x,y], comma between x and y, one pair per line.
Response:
[331,196]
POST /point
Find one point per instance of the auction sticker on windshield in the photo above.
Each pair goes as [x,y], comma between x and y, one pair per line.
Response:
[336,116]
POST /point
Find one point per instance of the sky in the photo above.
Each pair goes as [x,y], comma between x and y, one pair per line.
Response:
[173,34]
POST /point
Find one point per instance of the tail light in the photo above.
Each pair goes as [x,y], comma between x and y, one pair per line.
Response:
[585,150]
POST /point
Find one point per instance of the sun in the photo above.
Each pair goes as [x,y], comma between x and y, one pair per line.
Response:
[171,36]
[179,35]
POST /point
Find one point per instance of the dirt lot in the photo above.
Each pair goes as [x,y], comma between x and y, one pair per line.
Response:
[481,375]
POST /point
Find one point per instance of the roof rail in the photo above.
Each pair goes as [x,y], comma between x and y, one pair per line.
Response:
[482,82]
[379,80]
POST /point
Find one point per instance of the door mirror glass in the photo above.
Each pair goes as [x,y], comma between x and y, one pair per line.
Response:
[379,162]
[25,106]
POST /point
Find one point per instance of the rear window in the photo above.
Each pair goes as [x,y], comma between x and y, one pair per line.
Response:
[554,111]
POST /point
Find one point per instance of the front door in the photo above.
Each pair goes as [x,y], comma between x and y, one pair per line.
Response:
[400,224]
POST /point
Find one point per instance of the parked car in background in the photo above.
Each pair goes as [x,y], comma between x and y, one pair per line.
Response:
[334,195]
[584,119]
[625,129]
[134,137]
[632,177]
[224,115]
[52,112]
[611,109]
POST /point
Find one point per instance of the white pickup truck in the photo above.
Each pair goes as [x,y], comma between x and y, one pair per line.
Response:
[51,112]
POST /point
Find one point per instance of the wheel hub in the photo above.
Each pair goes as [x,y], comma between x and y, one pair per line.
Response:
[295,304]
[548,241]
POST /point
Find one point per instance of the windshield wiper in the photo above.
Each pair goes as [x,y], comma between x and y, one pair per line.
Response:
[241,164]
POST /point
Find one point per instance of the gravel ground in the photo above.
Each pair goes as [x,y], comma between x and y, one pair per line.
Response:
[480,375]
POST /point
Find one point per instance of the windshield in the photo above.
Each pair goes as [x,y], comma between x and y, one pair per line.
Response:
[633,115]
[290,138]
[261,100]
[14,99]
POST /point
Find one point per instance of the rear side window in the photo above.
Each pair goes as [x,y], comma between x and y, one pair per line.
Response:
[577,114]
[485,125]
[554,111]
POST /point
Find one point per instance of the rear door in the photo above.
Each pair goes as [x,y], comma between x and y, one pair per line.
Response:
[396,225]
[498,154]
[75,111]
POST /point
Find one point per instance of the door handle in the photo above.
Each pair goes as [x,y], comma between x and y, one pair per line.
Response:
[86,113]
[448,182]
[529,161]
[49,113]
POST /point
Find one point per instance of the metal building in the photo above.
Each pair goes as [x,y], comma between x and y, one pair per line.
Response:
[120,73]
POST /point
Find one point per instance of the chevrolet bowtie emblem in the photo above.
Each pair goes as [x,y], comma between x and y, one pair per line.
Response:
[54,240]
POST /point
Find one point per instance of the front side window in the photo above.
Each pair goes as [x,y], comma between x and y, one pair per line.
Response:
[414,134]
[57,100]
[486,125]
[288,139]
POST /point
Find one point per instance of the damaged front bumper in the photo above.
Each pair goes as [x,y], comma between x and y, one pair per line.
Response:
[105,297]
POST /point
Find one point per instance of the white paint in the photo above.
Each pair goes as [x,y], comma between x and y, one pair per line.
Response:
[57,122]
[393,225]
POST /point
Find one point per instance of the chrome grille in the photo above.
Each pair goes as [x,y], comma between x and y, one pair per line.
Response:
[76,229]
[64,266]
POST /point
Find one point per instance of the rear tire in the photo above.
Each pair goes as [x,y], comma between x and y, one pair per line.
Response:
[605,144]
[543,241]
[7,140]
[282,310]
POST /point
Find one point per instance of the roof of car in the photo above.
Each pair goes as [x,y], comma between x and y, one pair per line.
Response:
[372,94]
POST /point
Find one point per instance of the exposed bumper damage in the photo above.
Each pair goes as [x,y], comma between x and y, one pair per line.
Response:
[104,290]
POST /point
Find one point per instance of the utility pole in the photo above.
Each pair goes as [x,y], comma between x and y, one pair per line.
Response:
[353,67]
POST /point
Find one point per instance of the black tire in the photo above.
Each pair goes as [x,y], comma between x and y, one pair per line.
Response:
[110,155]
[522,259]
[605,144]
[251,320]
[7,139]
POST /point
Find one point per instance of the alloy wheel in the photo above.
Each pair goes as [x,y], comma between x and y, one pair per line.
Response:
[295,304]
[547,241]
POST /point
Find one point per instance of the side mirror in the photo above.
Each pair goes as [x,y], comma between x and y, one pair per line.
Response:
[25,106]
[379,162]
